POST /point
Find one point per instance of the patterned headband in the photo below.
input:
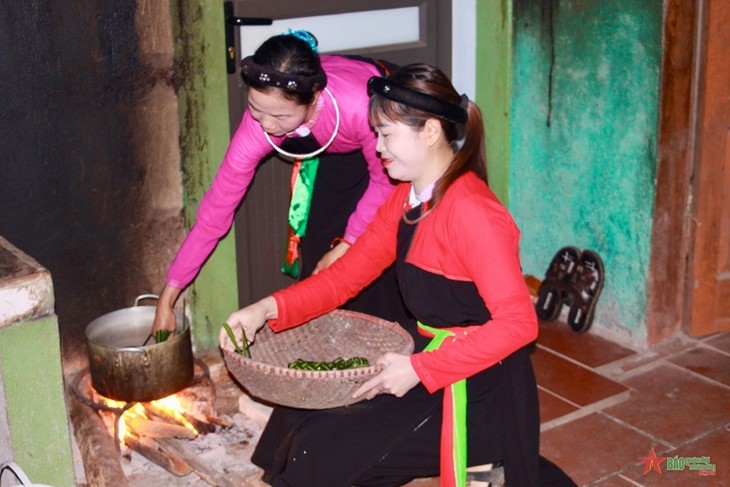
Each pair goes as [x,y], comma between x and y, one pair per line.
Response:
[430,104]
[286,81]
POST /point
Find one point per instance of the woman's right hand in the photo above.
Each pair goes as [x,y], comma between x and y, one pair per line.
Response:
[249,319]
[164,312]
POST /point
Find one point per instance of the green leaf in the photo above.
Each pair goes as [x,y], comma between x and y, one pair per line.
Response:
[162,335]
[240,349]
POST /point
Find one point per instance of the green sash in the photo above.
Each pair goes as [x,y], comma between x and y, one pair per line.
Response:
[303,175]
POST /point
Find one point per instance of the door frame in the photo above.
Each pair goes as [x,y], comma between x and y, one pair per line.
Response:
[255,279]
[440,26]
[673,301]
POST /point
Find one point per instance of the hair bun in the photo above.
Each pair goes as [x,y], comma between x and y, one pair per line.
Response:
[306,36]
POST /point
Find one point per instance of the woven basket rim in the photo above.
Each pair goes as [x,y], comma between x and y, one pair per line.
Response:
[283,371]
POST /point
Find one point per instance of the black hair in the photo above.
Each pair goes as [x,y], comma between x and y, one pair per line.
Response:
[286,53]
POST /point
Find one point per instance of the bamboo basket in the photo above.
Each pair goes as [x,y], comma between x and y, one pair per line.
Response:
[336,334]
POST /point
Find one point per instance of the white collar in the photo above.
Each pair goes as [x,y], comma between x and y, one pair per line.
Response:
[416,199]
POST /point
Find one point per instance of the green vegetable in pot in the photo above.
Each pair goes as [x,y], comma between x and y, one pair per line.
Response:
[162,335]
[336,364]
[241,349]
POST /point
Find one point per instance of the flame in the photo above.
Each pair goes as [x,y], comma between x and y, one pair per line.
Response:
[170,405]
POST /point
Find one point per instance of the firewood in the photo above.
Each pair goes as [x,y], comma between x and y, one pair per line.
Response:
[201,467]
[152,451]
[205,423]
[157,429]
[99,454]
[164,414]
[217,420]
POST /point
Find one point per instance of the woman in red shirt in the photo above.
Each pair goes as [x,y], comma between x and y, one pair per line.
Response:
[456,255]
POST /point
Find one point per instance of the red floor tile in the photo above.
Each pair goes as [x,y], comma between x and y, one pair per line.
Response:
[673,404]
[715,446]
[720,341]
[655,353]
[613,481]
[572,382]
[552,407]
[593,447]
[707,362]
[586,348]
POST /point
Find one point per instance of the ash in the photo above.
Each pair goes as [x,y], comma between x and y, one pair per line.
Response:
[227,450]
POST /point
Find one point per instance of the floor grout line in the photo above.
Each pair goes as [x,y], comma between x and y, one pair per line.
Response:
[699,376]
[636,429]
[714,348]
[574,361]
[583,411]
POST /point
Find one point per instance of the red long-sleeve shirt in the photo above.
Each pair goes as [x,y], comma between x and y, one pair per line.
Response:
[469,236]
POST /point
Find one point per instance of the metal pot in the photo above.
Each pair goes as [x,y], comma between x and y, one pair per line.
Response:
[126,364]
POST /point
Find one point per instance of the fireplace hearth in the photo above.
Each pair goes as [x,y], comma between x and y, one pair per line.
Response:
[214,448]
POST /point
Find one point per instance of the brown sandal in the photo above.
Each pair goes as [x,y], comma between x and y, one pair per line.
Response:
[554,287]
[585,287]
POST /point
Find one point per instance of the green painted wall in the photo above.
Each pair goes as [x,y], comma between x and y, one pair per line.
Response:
[34,395]
[204,137]
[494,78]
[585,82]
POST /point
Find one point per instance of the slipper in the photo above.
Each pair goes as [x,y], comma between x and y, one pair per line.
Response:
[585,287]
[552,290]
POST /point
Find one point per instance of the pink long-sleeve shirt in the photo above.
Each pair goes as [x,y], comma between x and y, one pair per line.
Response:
[347,81]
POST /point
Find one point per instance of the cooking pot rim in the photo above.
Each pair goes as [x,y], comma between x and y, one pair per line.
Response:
[178,336]
[136,311]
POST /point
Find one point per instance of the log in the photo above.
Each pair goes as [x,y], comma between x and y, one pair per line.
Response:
[152,451]
[165,414]
[156,429]
[207,473]
[220,421]
[99,453]
[204,423]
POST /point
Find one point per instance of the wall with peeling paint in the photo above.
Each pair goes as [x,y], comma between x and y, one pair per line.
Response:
[90,180]
[204,137]
[585,83]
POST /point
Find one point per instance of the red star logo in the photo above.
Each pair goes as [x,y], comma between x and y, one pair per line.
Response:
[652,462]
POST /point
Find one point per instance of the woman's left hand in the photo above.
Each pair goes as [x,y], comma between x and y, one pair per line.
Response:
[330,257]
[397,377]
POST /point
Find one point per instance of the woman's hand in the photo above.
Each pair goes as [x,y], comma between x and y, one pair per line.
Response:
[249,319]
[164,313]
[397,377]
[330,257]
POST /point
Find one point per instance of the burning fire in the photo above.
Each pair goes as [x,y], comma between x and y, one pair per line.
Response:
[168,408]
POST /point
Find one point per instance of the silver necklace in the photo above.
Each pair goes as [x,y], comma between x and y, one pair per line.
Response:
[321,149]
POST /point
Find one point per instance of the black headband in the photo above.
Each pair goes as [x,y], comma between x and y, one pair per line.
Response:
[430,104]
[286,81]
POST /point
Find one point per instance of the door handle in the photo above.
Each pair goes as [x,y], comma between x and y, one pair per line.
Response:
[231,21]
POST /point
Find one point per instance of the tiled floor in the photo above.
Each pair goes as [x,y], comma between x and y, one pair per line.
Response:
[674,398]
[604,407]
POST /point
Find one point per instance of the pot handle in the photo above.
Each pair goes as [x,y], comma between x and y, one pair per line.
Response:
[145,360]
[145,296]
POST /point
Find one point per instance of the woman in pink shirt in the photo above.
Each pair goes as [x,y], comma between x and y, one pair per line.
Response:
[310,107]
